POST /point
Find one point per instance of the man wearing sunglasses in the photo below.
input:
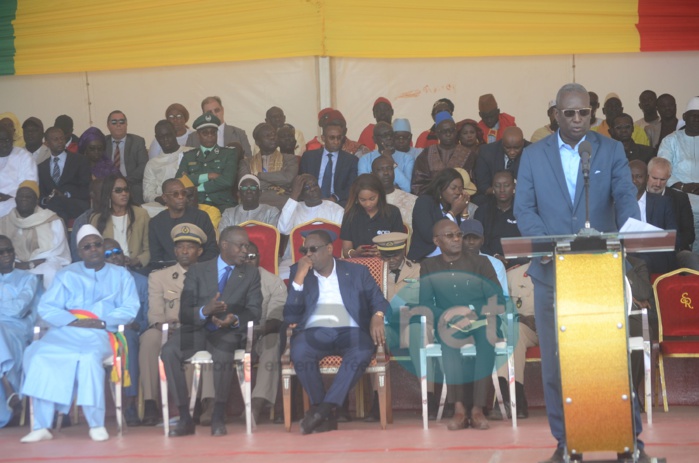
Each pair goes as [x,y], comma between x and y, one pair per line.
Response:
[128,153]
[550,200]
[178,212]
[459,288]
[335,308]
[249,193]
[67,361]
[493,122]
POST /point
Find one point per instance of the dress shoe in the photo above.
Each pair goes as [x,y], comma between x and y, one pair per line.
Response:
[131,417]
[37,436]
[218,428]
[312,420]
[627,457]
[343,415]
[207,410]
[479,421]
[99,434]
[151,415]
[432,406]
[374,414]
[257,405]
[557,457]
[457,422]
[183,428]
[329,424]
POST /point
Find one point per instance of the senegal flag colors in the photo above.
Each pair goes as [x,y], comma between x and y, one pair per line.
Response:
[42,37]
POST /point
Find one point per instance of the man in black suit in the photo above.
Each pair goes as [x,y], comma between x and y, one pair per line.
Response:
[64,179]
[655,210]
[335,308]
[335,169]
[622,130]
[659,171]
[219,298]
[128,152]
[501,155]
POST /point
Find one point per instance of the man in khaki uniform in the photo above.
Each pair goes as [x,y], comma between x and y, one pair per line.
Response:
[402,289]
[164,289]
[522,296]
[267,345]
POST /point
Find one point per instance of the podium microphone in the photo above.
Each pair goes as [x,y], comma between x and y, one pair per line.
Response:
[585,151]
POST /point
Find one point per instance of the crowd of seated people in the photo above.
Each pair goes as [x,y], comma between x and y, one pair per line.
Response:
[176,206]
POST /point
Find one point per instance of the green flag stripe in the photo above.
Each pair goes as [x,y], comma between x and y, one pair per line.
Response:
[8,11]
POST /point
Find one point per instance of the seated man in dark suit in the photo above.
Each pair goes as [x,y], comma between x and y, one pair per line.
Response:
[213,317]
[655,210]
[501,155]
[659,172]
[64,179]
[335,169]
[335,308]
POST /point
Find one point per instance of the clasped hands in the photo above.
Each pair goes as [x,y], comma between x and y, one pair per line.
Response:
[215,307]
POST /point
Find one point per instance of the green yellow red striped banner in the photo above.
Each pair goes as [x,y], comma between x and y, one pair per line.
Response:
[41,37]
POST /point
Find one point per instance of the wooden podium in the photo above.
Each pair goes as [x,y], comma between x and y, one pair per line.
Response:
[592,332]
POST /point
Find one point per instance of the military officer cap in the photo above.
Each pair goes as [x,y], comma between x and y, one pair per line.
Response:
[206,120]
[188,232]
[390,243]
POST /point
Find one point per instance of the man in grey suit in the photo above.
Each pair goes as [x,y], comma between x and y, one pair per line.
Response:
[128,152]
[550,201]
[219,298]
[228,135]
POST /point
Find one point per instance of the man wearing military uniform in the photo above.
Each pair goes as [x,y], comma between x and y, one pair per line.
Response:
[211,168]
[164,289]
[402,289]
[522,296]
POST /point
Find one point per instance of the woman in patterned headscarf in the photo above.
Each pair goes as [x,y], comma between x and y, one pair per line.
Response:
[92,145]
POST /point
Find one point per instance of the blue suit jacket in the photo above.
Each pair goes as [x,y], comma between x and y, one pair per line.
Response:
[345,171]
[360,294]
[543,205]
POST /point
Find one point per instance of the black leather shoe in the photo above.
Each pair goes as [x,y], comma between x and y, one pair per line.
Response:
[131,417]
[343,415]
[627,457]
[432,406]
[218,428]
[557,457]
[183,428]
[312,420]
[151,415]
[329,424]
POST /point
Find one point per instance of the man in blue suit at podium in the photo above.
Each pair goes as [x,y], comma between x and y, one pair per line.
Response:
[550,200]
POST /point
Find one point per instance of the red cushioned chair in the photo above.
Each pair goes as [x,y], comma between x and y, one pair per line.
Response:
[677,301]
[315,224]
[267,239]
[379,365]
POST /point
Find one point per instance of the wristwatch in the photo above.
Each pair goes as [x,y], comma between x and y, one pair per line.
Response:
[380,314]
[31,265]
